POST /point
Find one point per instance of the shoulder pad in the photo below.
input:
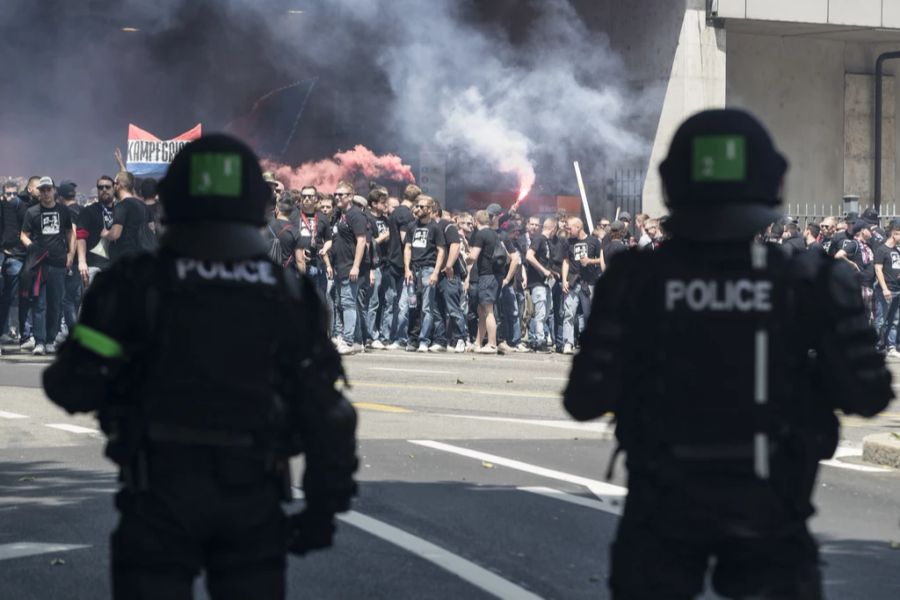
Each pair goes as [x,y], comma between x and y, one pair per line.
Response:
[807,265]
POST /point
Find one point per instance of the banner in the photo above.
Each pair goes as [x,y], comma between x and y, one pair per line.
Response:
[149,156]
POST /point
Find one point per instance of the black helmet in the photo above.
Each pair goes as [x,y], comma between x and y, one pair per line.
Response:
[216,178]
[214,200]
[722,177]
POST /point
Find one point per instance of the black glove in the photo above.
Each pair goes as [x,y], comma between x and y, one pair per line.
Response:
[311,530]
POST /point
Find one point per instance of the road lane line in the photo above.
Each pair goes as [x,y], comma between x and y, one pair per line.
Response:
[452,563]
[22,549]
[601,489]
[381,407]
[552,378]
[587,427]
[11,415]
[407,370]
[608,507]
[454,390]
[71,428]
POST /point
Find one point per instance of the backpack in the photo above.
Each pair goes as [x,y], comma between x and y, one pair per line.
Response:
[275,250]
[500,258]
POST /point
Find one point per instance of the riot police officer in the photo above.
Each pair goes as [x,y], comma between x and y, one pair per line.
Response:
[714,353]
[209,367]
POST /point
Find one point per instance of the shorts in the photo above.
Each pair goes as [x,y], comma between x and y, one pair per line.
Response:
[488,289]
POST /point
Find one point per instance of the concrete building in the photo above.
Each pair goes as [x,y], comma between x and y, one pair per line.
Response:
[805,67]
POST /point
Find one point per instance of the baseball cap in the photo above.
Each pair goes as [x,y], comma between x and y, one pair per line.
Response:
[45,182]
[269,177]
[624,216]
[617,225]
[494,209]
[67,189]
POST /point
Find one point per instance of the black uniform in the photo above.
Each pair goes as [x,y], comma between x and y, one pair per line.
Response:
[202,432]
[726,413]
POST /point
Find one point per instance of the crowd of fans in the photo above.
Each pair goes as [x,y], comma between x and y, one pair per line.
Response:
[396,273]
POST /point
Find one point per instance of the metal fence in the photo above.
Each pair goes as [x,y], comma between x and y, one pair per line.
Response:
[813,213]
[623,192]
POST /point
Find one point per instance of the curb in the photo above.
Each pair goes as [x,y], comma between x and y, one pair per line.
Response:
[882,449]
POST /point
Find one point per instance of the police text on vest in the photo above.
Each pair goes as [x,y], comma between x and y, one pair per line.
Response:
[742,295]
[242,271]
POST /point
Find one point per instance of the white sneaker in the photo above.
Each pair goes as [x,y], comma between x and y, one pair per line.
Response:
[396,346]
[486,349]
[568,349]
[358,348]
[50,348]
[460,347]
[470,347]
[423,347]
[411,348]
[504,347]
[437,348]
[39,350]
[893,353]
[27,344]
[343,348]
[377,345]
[523,347]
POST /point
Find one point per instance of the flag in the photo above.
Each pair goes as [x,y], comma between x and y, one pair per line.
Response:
[149,156]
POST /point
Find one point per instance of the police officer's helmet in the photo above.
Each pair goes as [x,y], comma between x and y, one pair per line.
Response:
[722,177]
[214,179]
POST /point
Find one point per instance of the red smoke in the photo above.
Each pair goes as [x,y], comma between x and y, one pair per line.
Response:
[325,174]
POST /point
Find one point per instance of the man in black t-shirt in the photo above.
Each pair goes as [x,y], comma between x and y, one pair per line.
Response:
[539,278]
[129,215]
[374,293]
[402,218]
[92,229]
[510,327]
[423,258]
[483,249]
[580,273]
[858,253]
[452,331]
[49,239]
[314,230]
[73,287]
[279,226]
[349,233]
[887,273]
[614,245]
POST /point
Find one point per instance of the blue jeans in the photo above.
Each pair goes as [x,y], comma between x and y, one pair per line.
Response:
[428,304]
[391,289]
[888,319]
[10,267]
[48,305]
[372,301]
[510,327]
[542,301]
[452,294]
[347,293]
[579,295]
[71,297]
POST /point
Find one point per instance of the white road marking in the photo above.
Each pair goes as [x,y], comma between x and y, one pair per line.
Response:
[601,489]
[558,424]
[22,549]
[452,563]
[407,370]
[609,507]
[72,428]
[848,451]
[11,415]
[552,378]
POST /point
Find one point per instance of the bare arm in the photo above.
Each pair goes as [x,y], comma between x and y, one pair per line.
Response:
[531,258]
[114,233]
[514,261]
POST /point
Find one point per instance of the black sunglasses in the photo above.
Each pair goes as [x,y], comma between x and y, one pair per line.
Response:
[104,187]
[421,206]
[308,196]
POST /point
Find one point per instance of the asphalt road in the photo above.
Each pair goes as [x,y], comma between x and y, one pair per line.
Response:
[474,484]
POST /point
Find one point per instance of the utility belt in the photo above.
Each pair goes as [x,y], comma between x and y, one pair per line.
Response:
[264,461]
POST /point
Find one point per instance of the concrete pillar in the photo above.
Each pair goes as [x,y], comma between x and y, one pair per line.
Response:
[696,82]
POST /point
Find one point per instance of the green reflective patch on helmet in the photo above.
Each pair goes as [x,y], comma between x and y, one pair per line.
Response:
[215,174]
[97,342]
[720,158]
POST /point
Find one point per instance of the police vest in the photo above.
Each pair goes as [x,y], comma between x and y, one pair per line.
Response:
[714,363]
